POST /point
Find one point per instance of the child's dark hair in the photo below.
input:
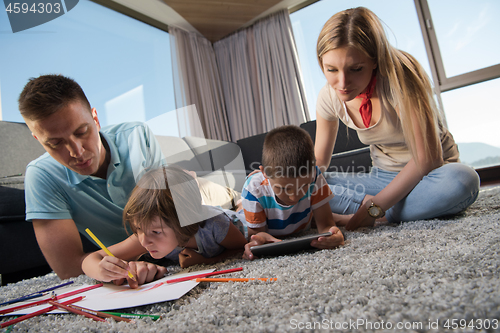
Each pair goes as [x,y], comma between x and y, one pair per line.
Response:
[288,152]
[46,94]
[170,194]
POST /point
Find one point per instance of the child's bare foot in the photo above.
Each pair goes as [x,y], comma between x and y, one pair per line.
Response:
[341,220]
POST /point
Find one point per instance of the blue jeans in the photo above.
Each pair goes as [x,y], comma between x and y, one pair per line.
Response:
[447,190]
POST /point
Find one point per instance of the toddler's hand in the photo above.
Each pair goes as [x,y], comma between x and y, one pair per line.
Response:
[258,239]
[144,272]
[113,269]
[333,241]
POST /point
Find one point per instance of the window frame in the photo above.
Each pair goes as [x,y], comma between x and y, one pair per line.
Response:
[442,82]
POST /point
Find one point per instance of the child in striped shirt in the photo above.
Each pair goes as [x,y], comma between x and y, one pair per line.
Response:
[289,190]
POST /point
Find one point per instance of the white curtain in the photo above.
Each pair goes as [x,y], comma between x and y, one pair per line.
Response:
[201,110]
[261,77]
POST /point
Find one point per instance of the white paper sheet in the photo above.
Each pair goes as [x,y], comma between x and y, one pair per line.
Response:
[111,297]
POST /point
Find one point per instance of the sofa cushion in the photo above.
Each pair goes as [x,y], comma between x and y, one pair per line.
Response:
[12,206]
[251,150]
[17,148]
[178,152]
[222,161]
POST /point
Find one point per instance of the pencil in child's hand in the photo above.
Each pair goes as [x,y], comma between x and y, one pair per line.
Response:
[105,249]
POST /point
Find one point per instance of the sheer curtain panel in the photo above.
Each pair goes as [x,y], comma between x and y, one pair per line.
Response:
[261,77]
[198,91]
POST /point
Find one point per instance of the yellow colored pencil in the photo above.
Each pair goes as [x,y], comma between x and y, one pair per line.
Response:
[105,249]
[233,279]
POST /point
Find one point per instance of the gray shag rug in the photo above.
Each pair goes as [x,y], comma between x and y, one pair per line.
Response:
[421,276]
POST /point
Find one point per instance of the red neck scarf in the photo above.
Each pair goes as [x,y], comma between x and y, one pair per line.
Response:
[366,104]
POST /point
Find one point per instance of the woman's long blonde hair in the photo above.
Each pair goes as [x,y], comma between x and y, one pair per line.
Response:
[405,84]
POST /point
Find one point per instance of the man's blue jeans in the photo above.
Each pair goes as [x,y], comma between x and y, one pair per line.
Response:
[447,190]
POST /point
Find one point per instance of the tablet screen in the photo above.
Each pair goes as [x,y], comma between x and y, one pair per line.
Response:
[287,246]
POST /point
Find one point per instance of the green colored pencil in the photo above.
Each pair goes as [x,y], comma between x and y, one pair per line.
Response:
[133,315]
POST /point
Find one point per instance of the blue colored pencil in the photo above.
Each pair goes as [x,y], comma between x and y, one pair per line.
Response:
[35,294]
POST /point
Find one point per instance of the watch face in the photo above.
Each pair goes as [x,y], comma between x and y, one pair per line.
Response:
[375,211]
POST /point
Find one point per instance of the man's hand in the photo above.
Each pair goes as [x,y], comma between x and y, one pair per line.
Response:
[330,242]
[258,239]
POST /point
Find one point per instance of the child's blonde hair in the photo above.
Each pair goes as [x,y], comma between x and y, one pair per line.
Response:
[288,151]
[168,193]
[404,83]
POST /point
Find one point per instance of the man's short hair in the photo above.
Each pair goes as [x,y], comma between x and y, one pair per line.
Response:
[46,94]
[288,152]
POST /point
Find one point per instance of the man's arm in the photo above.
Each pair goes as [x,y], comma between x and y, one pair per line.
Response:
[61,245]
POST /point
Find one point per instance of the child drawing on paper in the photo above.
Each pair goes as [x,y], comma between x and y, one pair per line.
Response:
[167,219]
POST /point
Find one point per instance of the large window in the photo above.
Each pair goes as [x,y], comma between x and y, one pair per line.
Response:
[467,33]
[464,32]
[462,36]
[123,65]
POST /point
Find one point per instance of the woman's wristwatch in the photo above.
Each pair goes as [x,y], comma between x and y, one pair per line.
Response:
[375,211]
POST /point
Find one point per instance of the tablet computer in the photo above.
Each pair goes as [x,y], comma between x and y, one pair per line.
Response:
[286,246]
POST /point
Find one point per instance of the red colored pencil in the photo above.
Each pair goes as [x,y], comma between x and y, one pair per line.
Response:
[78,291]
[68,294]
[39,312]
[192,277]
[77,311]
[101,314]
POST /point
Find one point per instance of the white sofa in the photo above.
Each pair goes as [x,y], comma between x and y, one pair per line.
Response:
[218,161]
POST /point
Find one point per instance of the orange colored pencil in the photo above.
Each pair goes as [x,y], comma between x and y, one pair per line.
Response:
[233,279]
[203,275]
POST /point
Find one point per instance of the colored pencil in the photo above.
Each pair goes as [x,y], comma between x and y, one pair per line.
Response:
[39,312]
[24,298]
[68,294]
[192,277]
[80,312]
[78,291]
[233,279]
[102,314]
[35,294]
[105,249]
[134,315]
[23,306]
